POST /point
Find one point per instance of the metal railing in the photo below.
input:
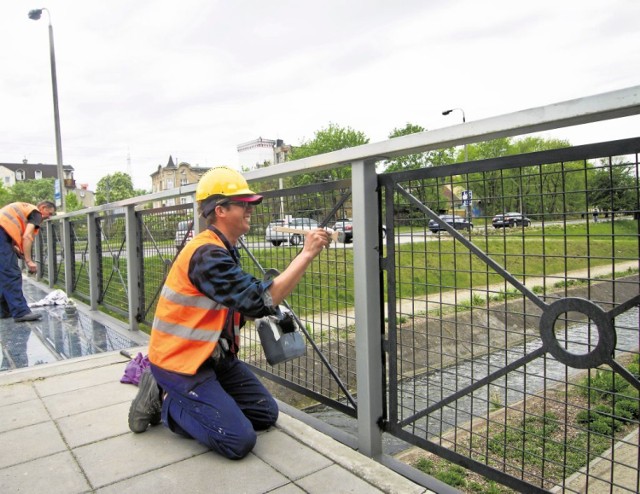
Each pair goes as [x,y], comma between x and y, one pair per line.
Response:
[492,348]
[514,346]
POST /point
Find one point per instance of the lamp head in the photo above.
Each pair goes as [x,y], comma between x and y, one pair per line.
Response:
[35,14]
[446,112]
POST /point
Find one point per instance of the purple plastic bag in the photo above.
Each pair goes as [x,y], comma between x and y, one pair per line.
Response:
[134,369]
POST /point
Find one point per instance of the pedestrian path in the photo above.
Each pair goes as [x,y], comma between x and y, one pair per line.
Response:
[63,429]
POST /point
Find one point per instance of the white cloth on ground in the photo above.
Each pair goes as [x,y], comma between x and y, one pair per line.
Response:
[56,297]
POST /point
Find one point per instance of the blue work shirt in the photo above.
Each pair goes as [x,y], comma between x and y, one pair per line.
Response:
[217,273]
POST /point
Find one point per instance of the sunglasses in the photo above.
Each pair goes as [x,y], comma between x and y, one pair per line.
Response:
[242,204]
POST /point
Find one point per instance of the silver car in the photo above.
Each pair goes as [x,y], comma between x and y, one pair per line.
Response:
[184,233]
[278,238]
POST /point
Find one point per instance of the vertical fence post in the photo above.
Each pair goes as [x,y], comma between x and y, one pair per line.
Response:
[39,256]
[51,254]
[94,260]
[366,271]
[133,266]
[65,227]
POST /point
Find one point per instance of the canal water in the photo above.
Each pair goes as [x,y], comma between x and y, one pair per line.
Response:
[428,389]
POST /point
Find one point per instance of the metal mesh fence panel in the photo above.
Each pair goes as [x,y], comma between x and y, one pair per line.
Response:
[113,263]
[323,301]
[80,248]
[164,232]
[513,316]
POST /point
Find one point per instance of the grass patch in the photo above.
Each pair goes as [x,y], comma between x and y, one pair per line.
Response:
[423,268]
[551,437]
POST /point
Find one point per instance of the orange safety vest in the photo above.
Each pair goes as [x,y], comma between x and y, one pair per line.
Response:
[13,219]
[187,324]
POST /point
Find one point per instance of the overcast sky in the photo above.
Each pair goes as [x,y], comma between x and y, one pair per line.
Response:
[140,80]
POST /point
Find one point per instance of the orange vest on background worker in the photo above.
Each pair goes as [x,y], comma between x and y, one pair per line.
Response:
[187,324]
[13,219]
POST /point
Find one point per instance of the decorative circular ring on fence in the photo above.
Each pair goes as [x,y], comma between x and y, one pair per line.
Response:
[603,351]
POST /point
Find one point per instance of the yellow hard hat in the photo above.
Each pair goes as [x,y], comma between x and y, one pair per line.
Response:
[222,182]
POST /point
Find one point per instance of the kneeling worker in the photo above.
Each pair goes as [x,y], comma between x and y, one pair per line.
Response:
[197,385]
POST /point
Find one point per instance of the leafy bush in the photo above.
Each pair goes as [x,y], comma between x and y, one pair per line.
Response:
[630,406]
[601,427]
[623,413]
[603,385]
[585,416]
[634,368]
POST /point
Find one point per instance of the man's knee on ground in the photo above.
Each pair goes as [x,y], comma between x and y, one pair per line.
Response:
[234,448]
[268,418]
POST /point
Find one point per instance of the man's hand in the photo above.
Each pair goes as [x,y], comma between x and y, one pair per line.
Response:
[283,284]
[316,240]
[32,266]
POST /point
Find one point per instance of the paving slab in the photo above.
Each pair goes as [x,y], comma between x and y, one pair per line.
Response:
[289,456]
[335,478]
[63,429]
[55,474]
[22,414]
[95,425]
[206,473]
[18,393]
[28,443]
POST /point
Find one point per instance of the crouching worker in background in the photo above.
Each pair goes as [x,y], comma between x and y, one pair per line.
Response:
[19,224]
[196,385]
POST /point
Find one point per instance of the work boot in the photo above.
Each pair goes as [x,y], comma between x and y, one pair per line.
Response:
[28,317]
[146,406]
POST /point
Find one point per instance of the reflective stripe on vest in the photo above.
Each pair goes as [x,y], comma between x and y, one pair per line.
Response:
[13,219]
[187,324]
[201,301]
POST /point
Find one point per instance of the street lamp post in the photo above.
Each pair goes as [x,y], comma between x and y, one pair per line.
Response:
[35,15]
[464,119]
[466,155]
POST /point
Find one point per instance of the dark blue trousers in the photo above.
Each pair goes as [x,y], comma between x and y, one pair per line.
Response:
[221,406]
[12,301]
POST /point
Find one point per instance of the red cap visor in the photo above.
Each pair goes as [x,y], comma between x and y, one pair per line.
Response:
[254,199]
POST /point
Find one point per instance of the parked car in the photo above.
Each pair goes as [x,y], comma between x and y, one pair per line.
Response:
[346,225]
[184,233]
[277,238]
[508,220]
[457,222]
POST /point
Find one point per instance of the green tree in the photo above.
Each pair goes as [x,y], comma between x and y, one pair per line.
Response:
[113,188]
[415,161]
[140,192]
[429,192]
[522,189]
[614,187]
[33,191]
[533,144]
[72,203]
[490,149]
[5,196]
[326,140]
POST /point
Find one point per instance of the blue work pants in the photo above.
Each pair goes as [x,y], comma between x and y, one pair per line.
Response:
[221,406]
[12,301]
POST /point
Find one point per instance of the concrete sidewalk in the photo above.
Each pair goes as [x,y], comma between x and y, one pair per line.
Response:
[63,429]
